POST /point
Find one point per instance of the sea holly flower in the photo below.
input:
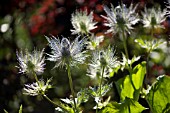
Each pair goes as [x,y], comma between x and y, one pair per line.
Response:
[102,59]
[94,42]
[82,96]
[127,63]
[82,22]
[31,62]
[101,105]
[37,88]
[152,18]
[96,92]
[120,18]
[150,45]
[64,52]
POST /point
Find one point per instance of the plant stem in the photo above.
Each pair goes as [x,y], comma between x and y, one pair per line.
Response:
[100,85]
[97,108]
[147,68]
[125,45]
[71,87]
[36,78]
[129,108]
[56,104]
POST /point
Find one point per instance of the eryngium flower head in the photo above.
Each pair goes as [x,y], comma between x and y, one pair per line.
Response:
[94,42]
[102,59]
[35,88]
[64,52]
[31,62]
[82,22]
[120,18]
[152,18]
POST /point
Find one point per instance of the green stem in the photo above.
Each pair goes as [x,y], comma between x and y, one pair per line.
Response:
[36,78]
[71,87]
[152,30]
[97,108]
[125,45]
[100,85]
[56,104]
[129,108]
[147,68]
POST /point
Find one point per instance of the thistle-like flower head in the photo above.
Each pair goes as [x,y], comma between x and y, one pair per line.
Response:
[120,18]
[152,18]
[31,62]
[94,42]
[150,45]
[64,52]
[35,88]
[82,22]
[102,59]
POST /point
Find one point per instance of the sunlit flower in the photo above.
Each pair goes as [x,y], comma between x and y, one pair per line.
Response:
[126,63]
[94,42]
[150,45]
[82,22]
[120,18]
[152,18]
[102,59]
[64,52]
[37,88]
[31,62]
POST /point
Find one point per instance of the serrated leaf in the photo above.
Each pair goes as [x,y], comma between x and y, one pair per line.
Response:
[128,106]
[130,85]
[158,97]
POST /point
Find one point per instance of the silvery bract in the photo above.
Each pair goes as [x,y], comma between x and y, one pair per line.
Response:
[126,63]
[37,88]
[94,42]
[31,62]
[64,52]
[152,18]
[102,59]
[150,45]
[120,18]
[82,22]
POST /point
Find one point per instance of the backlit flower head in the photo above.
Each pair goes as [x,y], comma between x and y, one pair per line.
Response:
[82,22]
[64,52]
[94,42]
[120,18]
[31,62]
[35,88]
[152,18]
[102,59]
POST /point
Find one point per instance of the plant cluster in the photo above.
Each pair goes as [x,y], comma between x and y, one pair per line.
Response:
[103,63]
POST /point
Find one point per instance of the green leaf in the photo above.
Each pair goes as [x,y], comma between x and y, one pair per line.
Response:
[158,97]
[20,109]
[131,85]
[128,106]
